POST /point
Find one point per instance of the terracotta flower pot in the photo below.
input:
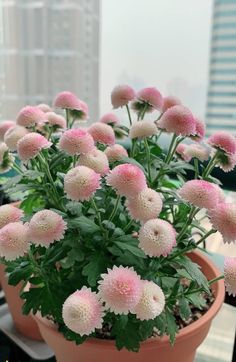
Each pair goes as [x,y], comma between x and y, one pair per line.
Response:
[26,325]
[154,349]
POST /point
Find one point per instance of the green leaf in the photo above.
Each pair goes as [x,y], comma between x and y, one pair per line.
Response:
[195,273]
[33,174]
[20,273]
[132,161]
[126,333]
[132,249]
[184,309]
[171,326]
[94,268]
[160,323]
[86,225]
[197,300]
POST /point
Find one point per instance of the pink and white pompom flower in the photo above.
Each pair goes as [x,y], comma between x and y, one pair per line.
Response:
[150,98]
[29,146]
[223,219]
[145,205]
[102,133]
[30,116]
[127,179]
[110,118]
[67,100]
[122,95]
[197,151]
[170,101]
[157,237]
[44,107]
[96,160]
[13,135]
[45,227]
[82,312]
[151,303]
[120,289]
[115,153]
[13,240]
[9,213]
[223,140]
[81,183]
[230,275]
[200,193]
[143,129]
[179,120]
[180,151]
[200,130]
[76,141]
[4,126]
[56,120]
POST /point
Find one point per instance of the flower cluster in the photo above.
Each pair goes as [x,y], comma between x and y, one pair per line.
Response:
[104,226]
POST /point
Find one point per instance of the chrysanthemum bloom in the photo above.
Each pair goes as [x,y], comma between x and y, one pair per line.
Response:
[157,237]
[150,98]
[30,145]
[122,95]
[169,102]
[120,289]
[67,100]
[4,126]
[200,131]
[197,151]
[6,159]
[82,312]
[180,151]
[145,205]
[152,301]
[96,160]
[224,141]
[102,133]
[200,193]
[115,153]
[142,129]
[76,141]
[80,183]
[179,120]
[127,179]
[13,240]
[223,219]
[230,275]
[109,118]
[29,116]
[83,113]
[45,227]
[9,213]
[226,161]
[44,107]
[55,120]
[13,135]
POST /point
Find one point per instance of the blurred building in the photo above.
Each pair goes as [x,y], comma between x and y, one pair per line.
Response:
[221,105]
[47,46]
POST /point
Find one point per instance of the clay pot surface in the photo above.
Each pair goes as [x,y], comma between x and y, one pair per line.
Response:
[26,325]
[153,350]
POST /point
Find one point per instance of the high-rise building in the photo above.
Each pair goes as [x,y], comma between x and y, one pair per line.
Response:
[47,46]
[221,104]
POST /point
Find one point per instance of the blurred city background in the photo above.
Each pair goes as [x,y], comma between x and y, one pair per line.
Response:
[185,48]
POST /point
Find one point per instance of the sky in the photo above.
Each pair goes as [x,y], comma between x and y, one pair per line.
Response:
[162,43]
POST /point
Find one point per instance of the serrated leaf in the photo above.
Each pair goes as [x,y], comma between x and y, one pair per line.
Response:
[195,273]
[184,309]
[86,225]
[171,326]
[135,250]
[94,268]
[197,300]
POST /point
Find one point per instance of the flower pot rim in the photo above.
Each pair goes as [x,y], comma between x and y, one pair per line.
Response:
[184,333]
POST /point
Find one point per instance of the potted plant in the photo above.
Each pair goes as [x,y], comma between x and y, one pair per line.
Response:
[108,240]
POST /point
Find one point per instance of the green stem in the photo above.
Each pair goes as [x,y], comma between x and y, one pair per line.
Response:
[129,115]
[148,159]
[68,118]
[128,225]
[196,167]
[144,111]
[98,214]
[17,168]
[74,160]
[114,211]
[133,147]
[193,212]
[210,166]
[204,237]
